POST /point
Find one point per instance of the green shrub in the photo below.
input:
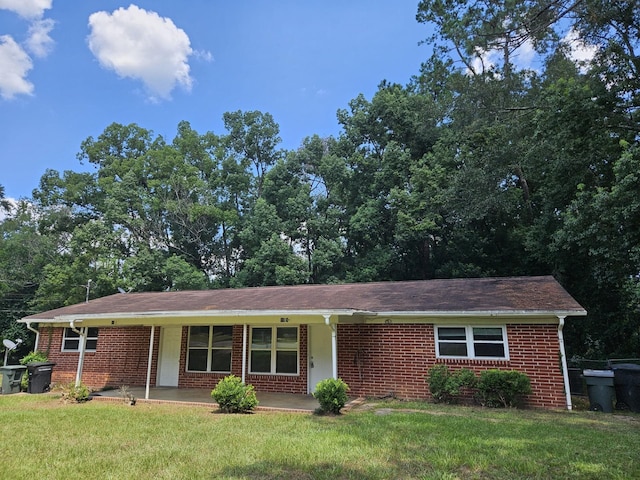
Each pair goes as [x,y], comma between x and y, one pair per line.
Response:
[233,396]
[502,388]
[331,393]
[445,386]
[72,393]
[28,358]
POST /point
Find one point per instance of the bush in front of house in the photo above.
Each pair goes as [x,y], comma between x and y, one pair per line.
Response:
[331,394]
[233,396]
[72,393]
[446,386]
[502,388]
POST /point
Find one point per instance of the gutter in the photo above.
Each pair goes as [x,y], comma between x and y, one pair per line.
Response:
[563,363]
[37,332]
[144,316]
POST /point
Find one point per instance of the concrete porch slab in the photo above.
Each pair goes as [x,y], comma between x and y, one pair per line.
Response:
[267,400]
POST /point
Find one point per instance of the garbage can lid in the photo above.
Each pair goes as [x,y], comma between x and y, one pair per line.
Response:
[34,365]
[13,367]
[597,373]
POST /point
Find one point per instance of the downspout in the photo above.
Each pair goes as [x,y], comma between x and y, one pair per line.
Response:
[563,361]
[83,340]
[244,352]
[149,360]
[37,332]
[334,345]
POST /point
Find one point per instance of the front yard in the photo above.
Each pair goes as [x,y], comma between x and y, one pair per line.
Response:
[44,438]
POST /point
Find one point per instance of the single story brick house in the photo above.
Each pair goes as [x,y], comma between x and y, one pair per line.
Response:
[381,338]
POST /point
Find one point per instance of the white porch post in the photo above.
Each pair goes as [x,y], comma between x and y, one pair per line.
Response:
[334,345]
[83,340]
[149,360]
[244,352]
[563,361]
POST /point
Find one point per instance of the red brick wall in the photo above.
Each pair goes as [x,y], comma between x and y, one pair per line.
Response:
[375,360]
[381,360]
[120,359]
[264,383]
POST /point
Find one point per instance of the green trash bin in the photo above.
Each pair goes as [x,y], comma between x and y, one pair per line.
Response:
[12,378]
[600,388]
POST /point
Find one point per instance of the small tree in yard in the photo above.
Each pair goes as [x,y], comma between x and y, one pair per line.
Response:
[233,396]
[331,393]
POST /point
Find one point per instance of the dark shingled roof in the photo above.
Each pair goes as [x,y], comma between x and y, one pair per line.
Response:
[509,294]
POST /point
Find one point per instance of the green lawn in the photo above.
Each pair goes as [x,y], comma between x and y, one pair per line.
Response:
[46,439]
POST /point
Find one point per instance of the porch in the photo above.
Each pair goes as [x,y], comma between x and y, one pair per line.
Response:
[196,396]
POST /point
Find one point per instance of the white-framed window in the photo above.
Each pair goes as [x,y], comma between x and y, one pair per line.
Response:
[480,342]
[274,350]
[209,348]
[71,340]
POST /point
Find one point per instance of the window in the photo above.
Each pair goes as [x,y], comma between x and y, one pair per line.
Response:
[279,356]
[472,342]
[71,340]
[210,348]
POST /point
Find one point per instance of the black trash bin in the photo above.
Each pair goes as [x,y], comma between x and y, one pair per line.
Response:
[627,384]
[11,378]
[600,390]
[39,376]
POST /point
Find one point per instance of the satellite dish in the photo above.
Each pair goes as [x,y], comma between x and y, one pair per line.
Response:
[9,346]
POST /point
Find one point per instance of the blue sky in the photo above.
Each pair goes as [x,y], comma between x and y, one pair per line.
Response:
[68,69]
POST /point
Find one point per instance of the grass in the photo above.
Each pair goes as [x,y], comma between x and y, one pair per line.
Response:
[44,438]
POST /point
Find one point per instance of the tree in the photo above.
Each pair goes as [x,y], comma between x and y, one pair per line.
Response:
[24,253]
[253,136]
[4,203]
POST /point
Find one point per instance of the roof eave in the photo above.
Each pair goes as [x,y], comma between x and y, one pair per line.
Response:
[145,317]
[484,313]
[79,317]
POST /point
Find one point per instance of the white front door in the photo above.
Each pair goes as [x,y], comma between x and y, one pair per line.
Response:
[319,355]
[169,357]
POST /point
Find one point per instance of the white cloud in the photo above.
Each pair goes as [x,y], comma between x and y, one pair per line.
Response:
[140,44]
[15,62]
[14,66]
[484,60]
[39,42]
[203,55]
[580,52]
[29,9]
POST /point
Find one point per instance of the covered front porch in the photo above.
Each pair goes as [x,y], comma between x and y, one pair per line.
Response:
[198,396]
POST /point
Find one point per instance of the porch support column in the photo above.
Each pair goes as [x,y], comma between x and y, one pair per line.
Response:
[563,362]
[334,345]
[149,360]
[82,333]
[244,352]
